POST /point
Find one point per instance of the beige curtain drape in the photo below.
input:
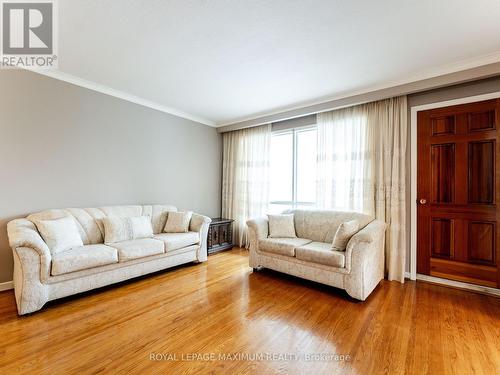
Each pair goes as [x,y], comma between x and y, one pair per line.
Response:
[245,177]
[388,128]
[361,167]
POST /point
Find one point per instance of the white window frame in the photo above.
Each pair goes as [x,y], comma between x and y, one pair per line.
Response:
[294,131]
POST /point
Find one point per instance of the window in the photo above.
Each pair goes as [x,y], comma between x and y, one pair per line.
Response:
[293,169]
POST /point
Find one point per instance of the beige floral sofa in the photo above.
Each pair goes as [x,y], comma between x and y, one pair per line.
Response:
[358,269]
[40,276]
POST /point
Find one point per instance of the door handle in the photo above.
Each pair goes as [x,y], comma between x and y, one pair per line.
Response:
[422,201]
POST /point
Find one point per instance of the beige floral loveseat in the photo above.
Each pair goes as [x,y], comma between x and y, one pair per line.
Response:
[358,269]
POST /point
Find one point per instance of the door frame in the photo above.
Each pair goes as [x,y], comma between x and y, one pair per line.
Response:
[412,275]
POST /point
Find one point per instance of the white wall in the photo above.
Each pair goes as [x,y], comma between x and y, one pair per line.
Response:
[65,146]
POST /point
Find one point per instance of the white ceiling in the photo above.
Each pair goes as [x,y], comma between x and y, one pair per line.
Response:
[221,61]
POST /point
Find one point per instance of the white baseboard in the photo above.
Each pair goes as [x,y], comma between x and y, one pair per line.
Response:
[457,284]
[6,286]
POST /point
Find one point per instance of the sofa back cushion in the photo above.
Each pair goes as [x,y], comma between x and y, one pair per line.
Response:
[59,234]
[159,216]
[89,220]
[321,225]
[119,229]
[178,222]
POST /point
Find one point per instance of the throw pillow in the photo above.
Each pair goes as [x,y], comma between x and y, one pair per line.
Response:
[118,229]
[344,233]
[178,222]
[281,226]
[59,234]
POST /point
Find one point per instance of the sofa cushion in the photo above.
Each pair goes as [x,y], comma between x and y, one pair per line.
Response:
[322,253]
[118,229]
[282,246]
[123,211]
[140,248]
[174,241]
[83,257]
[159,216]
[281,226]
[178,222]
[59,234]
[89,220]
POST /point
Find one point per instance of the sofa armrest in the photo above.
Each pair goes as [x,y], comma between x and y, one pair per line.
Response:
[259,227]
[22,233]
[200,224]
[198,221]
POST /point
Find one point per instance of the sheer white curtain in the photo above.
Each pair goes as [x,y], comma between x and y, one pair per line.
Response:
[245,177]
[361,167]
[343,161]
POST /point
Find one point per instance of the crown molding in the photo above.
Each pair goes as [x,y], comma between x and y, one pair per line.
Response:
[61,76]
[345,99]
[307,108]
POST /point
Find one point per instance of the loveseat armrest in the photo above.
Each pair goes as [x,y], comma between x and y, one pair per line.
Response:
[200,224]
[371,233]
[259,227]
[365,256]
[22,233]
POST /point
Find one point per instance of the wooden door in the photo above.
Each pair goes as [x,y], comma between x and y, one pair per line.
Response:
[458,188]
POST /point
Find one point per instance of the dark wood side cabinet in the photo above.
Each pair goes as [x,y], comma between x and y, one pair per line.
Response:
[220,235]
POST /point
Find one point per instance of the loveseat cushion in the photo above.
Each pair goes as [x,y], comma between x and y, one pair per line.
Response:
[174,241]
[321,225]
[140,248]
[344,233]
[282,246]
[321,253]
[83,257]
[281,226]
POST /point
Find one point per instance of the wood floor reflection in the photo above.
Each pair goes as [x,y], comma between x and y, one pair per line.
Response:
[220,317]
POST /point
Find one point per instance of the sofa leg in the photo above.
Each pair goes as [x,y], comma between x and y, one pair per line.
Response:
[33,306]
[31,297]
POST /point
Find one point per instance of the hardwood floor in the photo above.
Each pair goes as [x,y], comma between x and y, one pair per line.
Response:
[222,307]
